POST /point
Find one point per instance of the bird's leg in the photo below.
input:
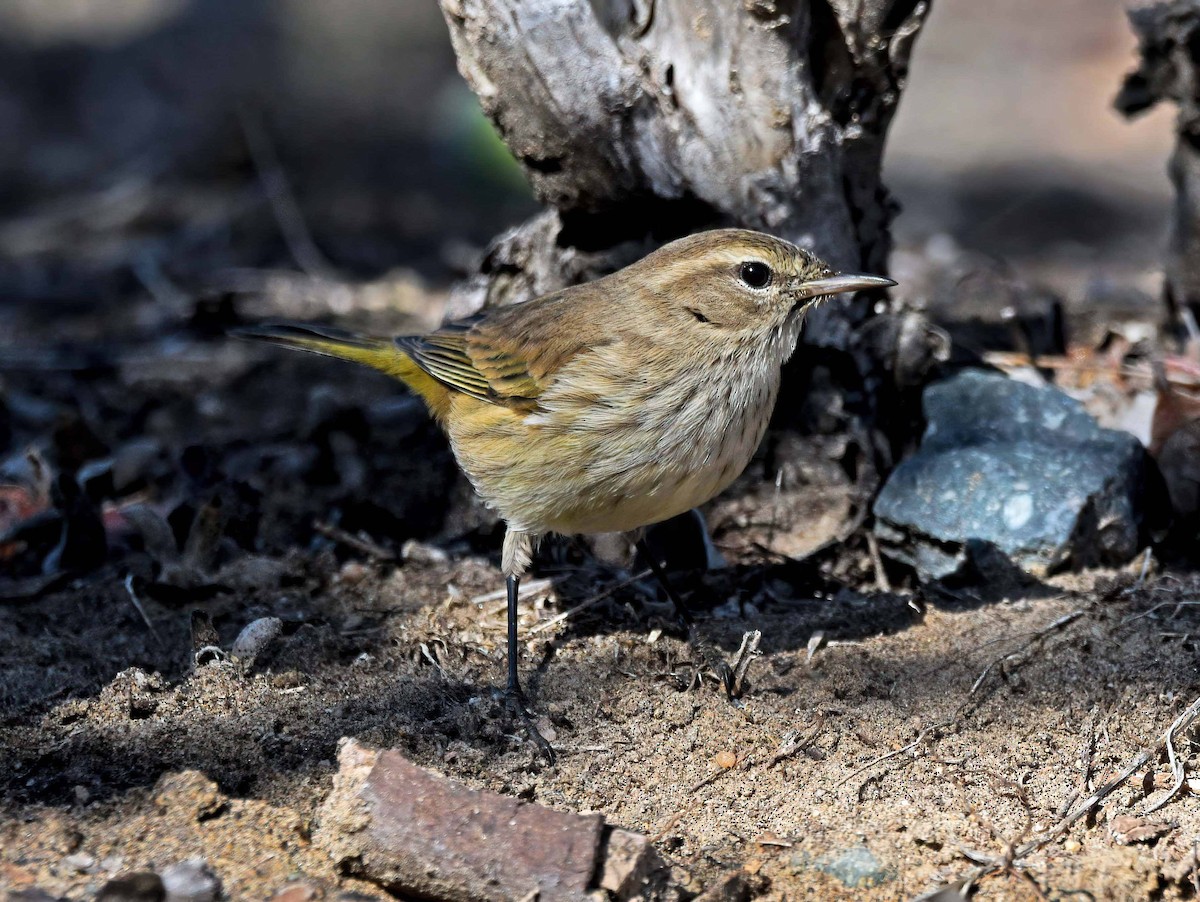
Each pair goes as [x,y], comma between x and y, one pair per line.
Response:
[713,658]
[514,698]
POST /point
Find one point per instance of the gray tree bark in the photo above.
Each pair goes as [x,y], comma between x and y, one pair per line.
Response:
[1169,70]
[640,120]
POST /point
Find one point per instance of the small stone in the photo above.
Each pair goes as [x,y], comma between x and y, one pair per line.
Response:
[856,867]
[82,796]
[629,860]
[190,791]
[733,887]
[80,861]
[353,573]
[191,881]
[415,552]
[1127,829]
[726,760]
[255,637]
[1071,846]
[420,833]
[297,892]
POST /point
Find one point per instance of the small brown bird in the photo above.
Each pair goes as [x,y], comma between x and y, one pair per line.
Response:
[614,405]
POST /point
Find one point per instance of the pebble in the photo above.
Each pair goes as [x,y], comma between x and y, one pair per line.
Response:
[80,861]
[297,892]
[255,637]
[421,553]
[191,881]
[856,867]
[353,573]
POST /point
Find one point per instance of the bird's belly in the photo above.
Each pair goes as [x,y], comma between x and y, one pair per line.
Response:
[667,494]
[619,468]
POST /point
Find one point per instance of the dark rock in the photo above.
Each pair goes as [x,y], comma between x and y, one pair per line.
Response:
[139,886]
[1016,467]
[733,887]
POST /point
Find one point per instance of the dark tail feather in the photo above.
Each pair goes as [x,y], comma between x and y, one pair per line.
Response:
[379,353]
[304,337]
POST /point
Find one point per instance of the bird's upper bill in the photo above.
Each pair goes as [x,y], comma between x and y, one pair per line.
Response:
[843,282]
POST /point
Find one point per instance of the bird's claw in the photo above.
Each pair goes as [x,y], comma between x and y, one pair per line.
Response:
[712,660]
[514,703]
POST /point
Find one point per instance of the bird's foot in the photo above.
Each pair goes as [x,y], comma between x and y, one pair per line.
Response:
[518,709]
[712,661]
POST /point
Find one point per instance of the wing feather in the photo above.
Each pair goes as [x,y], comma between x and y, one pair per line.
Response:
[509,355]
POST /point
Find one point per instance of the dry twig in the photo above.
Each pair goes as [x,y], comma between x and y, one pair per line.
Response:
[295,231]
[360,542]
[746,653]
[793,743]
[1140,760]
[583,605]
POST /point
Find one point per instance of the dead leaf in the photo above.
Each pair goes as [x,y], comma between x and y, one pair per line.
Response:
[1127,829]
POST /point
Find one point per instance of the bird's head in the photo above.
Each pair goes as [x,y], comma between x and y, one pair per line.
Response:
[741,282]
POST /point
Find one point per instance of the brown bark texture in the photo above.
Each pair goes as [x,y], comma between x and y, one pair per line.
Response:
[1169,70]
[640,120]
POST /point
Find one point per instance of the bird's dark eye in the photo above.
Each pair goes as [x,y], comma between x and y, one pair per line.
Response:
[755,274]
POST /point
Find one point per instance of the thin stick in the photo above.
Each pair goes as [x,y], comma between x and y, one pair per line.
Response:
[527,588]
[1157,607]
[294,229]
[1177,769]
[1036,637]
[358,543]
[1141,580]
[137,604]
[908,748]
[594,600]
[791,746]
[882,583]
[1183,721]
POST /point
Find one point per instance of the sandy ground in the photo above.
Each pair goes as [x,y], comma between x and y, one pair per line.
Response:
[927,738]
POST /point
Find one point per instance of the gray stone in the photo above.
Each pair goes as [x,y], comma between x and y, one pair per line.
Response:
[856,867]
[191,881]
[1015,467]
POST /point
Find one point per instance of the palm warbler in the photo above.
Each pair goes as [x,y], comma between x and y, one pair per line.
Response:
[609,406]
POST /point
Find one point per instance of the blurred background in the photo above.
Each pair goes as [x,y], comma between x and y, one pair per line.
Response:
[158,145]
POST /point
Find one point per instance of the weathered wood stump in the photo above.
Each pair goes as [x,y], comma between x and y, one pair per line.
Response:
[640,120]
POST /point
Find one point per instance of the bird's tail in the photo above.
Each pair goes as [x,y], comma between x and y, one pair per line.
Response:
[382,354]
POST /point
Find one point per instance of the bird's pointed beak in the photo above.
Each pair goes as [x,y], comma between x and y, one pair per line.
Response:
[843,282]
